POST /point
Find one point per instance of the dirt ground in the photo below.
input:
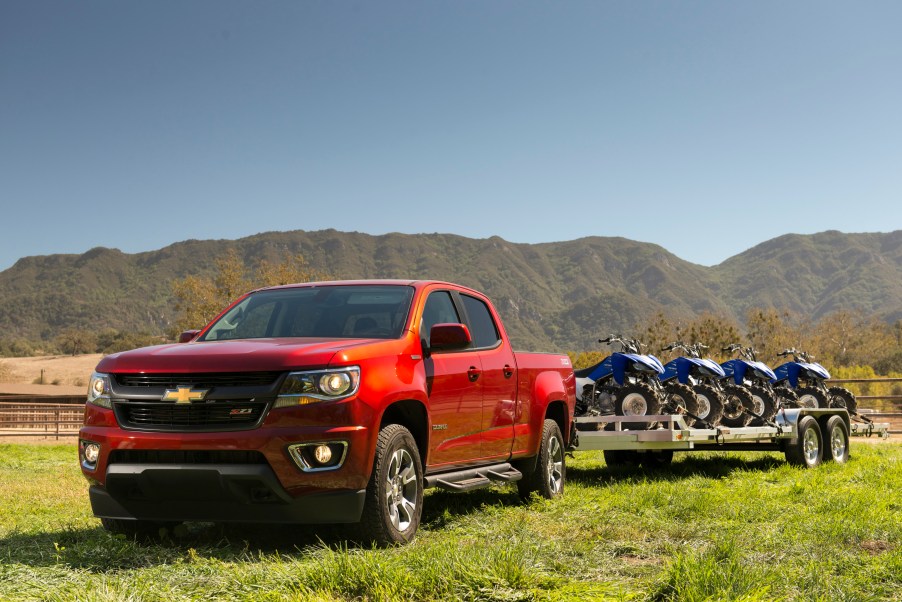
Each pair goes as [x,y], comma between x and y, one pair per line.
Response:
[62,374]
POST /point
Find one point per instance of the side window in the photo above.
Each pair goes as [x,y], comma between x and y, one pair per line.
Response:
[439,310]
[482,327]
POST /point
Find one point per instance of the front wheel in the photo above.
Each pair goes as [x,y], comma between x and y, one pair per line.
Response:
[763,404]
[842,398]
[807,449]
[710,405]
[394,495]
[811,397]
[547,479]
[736,406]
[637,399]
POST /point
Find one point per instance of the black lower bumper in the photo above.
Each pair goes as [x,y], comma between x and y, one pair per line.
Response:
[215,493]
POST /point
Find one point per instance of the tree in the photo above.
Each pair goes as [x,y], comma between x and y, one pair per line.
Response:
[714,331]
[199,299]
[76,341]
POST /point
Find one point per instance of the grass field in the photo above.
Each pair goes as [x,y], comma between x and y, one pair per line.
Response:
[711,527]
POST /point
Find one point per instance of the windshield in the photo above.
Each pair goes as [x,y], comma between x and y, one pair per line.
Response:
[358,311]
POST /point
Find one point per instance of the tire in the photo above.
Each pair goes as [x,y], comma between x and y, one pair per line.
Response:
[637,399]
[656,459]
[764,405]
[710,404]
[807,449]
[737,402]
[811,397]
[394,495]
[836,434]
[681,398]
[843,398]
[621,458]
[786,397]
[547,479]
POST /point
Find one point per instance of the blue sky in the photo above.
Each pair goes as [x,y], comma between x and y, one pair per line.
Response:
[705,127]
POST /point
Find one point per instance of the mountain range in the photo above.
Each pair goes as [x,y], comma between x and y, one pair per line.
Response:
[552,296]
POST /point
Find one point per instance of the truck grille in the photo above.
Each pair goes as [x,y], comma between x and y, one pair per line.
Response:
[159,416]
[203,381]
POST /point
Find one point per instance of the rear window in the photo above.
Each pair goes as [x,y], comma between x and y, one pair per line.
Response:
[358,311]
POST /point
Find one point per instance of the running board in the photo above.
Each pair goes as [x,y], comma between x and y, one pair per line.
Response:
[473,478]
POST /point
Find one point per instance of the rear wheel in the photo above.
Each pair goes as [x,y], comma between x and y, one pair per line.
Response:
[637,399]
[621,457]
[547,479]
[681,400]
[811,397]
[736,401]
[837,435]
[656,459]
[843,398]
[807,449]
[764,405]
[710,404]
[135,528]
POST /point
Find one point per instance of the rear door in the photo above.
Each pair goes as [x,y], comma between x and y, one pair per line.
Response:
[499,380]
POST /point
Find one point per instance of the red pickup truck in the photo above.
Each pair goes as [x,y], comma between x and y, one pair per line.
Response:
[328,402]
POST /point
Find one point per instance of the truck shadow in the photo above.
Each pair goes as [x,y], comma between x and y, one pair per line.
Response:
[682,467]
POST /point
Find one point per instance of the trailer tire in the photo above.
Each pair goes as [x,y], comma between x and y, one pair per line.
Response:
[710,404]
[764,405]
[394,495]
[841,397]
[682,399]
[837,435]
[811,397]
[656,459]
[807,448]
[621,458]
[637,399]
[737,403]
[548,476]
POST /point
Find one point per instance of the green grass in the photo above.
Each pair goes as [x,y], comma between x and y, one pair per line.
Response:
[711,527]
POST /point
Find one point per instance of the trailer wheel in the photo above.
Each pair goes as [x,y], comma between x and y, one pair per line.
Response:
[736,401]
[394,496]
[621,457]
[842,398]
[547,479]
[837,433]
[763,404]
[637,399]
[656,459]
[710,404]
[807,449]
[811,397]
[681,399]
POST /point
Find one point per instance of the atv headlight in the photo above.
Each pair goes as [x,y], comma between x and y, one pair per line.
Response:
[99,390]
[302,388]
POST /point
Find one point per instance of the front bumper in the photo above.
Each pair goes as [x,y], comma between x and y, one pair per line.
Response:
[217,493]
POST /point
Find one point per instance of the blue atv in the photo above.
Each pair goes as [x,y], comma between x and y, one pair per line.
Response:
[693,376]
[625,383]
[748,374]
[807,380]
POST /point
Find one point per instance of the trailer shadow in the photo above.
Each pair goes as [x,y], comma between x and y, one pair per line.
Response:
[682,467]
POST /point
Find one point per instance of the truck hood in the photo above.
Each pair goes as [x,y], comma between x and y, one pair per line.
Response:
[247,355]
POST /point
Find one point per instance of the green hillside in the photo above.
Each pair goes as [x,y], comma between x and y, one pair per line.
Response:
[553,296]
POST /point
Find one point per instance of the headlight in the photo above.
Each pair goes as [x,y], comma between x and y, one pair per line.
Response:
[99,390]
[302,388]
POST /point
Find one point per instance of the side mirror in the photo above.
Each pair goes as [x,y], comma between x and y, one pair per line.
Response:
[188,336]
[448,337]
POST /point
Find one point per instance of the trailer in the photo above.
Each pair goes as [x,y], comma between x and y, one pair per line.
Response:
[806,436]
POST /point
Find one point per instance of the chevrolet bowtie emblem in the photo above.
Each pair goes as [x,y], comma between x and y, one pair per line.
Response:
[184,394]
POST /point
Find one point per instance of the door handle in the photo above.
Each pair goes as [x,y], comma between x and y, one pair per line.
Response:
[508,371]
[473,374]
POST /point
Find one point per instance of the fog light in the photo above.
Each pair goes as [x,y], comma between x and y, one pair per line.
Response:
[322,454]
[92,452]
